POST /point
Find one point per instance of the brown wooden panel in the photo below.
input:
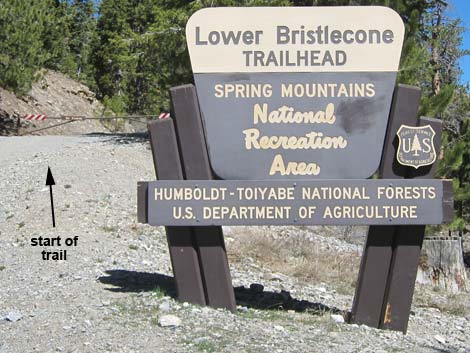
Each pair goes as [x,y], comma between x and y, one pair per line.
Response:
[185,264]
[190,134]
[142,209]
[209,241]
[402,277]
[371,283]
[375,262]
[215,267]
[448,202]
[406,251]
[183,253]
[404,110]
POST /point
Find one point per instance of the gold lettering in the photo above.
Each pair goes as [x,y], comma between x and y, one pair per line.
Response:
[311,140]
[294,168]
[287,115]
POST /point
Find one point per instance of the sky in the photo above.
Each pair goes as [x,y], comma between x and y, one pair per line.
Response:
[461,8]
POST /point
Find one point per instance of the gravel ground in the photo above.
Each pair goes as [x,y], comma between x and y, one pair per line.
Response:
[114,292]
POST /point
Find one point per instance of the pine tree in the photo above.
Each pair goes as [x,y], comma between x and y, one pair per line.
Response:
[444,99]
[56,37]
[112,53]
[22,52]
[456,162]
[53,34]
[82,32]
[141,50]
[415,146]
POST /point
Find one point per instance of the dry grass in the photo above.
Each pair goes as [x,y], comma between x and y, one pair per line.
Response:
[297,256]
[452,303]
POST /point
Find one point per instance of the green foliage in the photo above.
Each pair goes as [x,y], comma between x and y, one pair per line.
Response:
[414,65]
[141,49]
[114,104]
[21,51]
[436,105]
[456,158]
[38,34]
[82,24]
[55,38]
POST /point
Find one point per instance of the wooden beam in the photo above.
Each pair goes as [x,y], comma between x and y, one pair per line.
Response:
[183,253]
[406,252]
[209,241]
[377,254]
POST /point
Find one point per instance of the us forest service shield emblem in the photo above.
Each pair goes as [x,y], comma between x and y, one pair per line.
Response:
[416,146]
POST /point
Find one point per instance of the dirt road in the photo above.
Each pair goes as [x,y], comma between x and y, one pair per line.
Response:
[111,292]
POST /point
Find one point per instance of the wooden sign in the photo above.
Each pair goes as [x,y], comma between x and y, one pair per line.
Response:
[243,202]
[306,94]
[299,92]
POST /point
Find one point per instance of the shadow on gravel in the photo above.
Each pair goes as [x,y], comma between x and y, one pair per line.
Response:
[437,349]
[255,297]
[133,281]
[122,138]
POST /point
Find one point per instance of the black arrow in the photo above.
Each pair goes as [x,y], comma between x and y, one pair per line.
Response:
[50,181]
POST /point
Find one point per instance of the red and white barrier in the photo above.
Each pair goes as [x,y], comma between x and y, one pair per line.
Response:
[164,115]
[39,117]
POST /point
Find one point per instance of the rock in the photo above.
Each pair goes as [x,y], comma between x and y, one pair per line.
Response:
[206,310]
[276,277]
[242,309]
[338,318]
[13,316]
[200,340]
[169,321]
[256,287]
[440,339]
[164,307]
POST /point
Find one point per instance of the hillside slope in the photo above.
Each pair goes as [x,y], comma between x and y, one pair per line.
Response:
[53,95]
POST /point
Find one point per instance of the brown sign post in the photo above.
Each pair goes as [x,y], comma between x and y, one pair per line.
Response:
[198,255]
[294,118]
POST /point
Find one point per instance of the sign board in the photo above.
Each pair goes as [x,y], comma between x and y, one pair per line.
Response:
[295,92]
[416,146]
[332,202]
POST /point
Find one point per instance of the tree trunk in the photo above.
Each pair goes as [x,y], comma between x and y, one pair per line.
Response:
[436,79]
[441,264]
